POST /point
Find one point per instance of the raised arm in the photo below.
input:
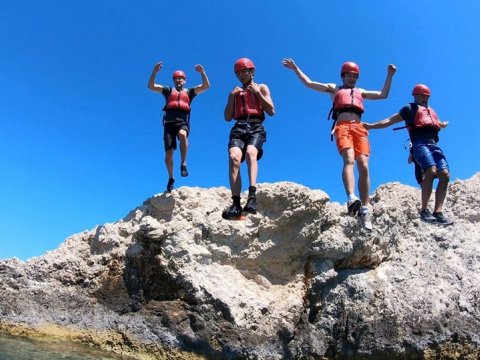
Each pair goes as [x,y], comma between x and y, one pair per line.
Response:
[151,82]
[383,94]
[205,83]
[383,123]
[327,88]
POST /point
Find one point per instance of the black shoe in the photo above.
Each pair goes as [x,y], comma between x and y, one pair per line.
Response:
[183,170]
[170,184]
[251,205]
[233,212]
[440,219]
[427,217]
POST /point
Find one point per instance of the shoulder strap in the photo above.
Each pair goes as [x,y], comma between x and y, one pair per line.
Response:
[414,107]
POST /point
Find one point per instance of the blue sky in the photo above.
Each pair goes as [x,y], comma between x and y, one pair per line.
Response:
[81,135]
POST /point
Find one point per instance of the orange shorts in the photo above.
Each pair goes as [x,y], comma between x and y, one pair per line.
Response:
[352,135]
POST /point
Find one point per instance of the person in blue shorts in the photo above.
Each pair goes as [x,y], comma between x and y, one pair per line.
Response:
[423,125]
[176,120]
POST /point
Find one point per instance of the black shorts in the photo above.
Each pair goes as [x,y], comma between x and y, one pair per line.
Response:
[244,134]
[170,132]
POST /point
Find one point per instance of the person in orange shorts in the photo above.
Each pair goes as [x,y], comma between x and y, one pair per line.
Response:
[351,137]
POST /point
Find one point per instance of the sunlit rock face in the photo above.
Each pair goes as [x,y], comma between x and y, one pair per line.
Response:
[300,279]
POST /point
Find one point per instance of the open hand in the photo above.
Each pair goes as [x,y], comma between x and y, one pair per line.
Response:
[289,63]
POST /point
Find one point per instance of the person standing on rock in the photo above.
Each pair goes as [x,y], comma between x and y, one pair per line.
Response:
[351,137]
[247,105]
[176,120]
[423,125]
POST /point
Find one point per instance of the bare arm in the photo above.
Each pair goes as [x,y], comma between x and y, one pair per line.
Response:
[384,123]
[151,82]
[230,107]
[262,92]
[383,94]
[327,88]
[205,83]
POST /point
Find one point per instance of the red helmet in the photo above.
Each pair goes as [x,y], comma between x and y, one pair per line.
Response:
[350,67]
[421,89]
[243,63]
[179,73]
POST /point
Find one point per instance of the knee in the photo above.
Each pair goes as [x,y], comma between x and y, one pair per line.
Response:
[182,135]
[234,158]
[251,155]
[348,160]
[430,173]
[362,164]
[363,167]
[443,175]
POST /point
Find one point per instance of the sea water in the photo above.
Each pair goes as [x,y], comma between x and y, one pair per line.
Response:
[20,348]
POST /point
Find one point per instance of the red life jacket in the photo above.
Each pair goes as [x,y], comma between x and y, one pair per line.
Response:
[178,100]
[247,106]
[348,99]
[426,116]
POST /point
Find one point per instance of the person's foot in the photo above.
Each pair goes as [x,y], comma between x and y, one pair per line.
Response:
[353,206]
[365,220]
[170,184]
[426,216]
[251,205]
[233,212]
[183,170]
[439,218]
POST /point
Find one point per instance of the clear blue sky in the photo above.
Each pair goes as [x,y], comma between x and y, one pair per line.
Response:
[81,135]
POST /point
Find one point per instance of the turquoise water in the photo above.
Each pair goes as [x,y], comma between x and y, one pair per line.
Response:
[20,348]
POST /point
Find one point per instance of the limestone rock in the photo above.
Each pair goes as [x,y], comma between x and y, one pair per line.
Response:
[300,279]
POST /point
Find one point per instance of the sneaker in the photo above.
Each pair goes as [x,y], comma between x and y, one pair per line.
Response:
[365,220]
[233,212]
[183,170]
[251,205]
[439,218]
[353,206]
[427,217]
[170,184]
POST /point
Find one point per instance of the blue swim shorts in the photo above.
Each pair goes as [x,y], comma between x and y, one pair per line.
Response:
[427,154]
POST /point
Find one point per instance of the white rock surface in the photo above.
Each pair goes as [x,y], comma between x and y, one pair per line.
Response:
[300,279]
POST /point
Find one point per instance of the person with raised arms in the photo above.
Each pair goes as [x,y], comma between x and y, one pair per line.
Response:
[176,119]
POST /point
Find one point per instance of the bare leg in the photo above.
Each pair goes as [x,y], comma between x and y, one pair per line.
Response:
[183,137]
[251,159]
[441,192]
[169,162]
[235,157]
[348,176]
[427,185]
[363,178]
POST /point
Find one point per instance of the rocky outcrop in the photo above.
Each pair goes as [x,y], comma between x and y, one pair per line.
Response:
[299,280]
